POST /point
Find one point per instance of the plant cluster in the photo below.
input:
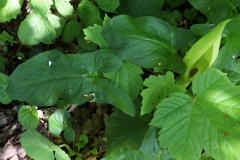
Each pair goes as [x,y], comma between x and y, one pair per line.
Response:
[173,74]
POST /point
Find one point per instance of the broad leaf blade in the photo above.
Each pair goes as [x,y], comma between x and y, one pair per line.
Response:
[40,148]
[28,117]
[72,79]
[9,9]
[208,121]
[64,7]
[71,30]
[158,88]
[128,78]
[40,7]
[146,41]
[35,29]
[108,5]
[138,8]
[4,97]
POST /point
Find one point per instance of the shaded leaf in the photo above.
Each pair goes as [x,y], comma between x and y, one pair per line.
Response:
[71,30]
[209,120]
[147,42]
[28,117]
[57,23]
[4,97]
[233,71]
[128,78]
[4,36]
[36,146]
[108,5]
[73,79]
[35,29]
[159,87]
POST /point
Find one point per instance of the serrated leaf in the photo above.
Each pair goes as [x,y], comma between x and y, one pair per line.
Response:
[147,42]
[215,11]
[231,49]
[40,148]
[159,87]
[35,29]
[198,60]
[58,121]
[9,9]
[40,7]
[28,117]
[124,131]
[57,23]
[138,8]
[71,31]
[108,5]
[64,7]
[128,78]
[94,34]
[4,97]
[4,36]
[74,79]
[209,120]
[89,13]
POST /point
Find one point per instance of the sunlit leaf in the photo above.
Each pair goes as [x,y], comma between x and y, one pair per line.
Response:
[9,9]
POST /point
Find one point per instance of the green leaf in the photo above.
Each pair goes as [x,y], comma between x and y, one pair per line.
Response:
[198,60]
[89,13]
[71,30]
[57,23]
[40,7]
[86,44]
[69,133]
[231,49]
[215,11]
[2,63]
[209,120]
[28,117]
[4,36]
[35,29]
[128,78]
[108,5]
[147,42]
[233,71]
[83,140]
[9,9]
[40,148]
[159,87]
[175,3]
[190,14]
[138,8]
[64,7]
[201,29]
[94,34]
[73,78]
[58,121]
[124,131]
[4,97]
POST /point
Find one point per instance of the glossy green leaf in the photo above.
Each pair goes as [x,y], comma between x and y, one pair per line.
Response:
[147,42]
[233,71]
[71,30]
[36,146]
[94,34]
[203,53]
[215,11]
[138,8]
[4,97]
[208,121]
[58,121]
[57,23]
[64,7]
[40,7]
[128,78]
[201,29]
[28,117]
[73,79]
[124,131]
[35,29]
[108,5]
[9,9]
[159,87]
[4,36]
[231,49]
[89,13]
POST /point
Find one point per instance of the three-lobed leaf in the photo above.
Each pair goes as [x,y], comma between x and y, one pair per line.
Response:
[209,120]
[159,87]
[74,79]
